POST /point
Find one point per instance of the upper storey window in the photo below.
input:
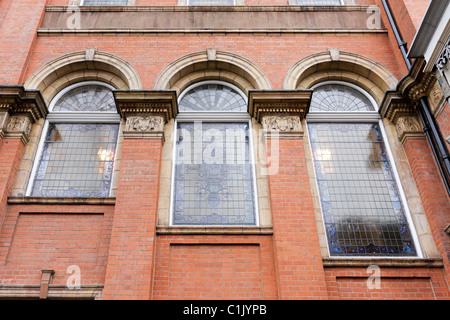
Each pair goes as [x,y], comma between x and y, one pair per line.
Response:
[78,144]
[363,207]
[104,2]
[214,177]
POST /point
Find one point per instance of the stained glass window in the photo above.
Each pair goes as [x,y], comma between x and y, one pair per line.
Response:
[212,97]
[361,203]
[360,200]
[337,98]
[77,158]
[77,161]
[213,175]
[94,98]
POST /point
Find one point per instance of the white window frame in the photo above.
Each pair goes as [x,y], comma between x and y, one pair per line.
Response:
[362,117]
[213,116]
[108,117]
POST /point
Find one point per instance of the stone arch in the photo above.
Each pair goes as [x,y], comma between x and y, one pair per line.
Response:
[212,65]
[344,66]
[83,66]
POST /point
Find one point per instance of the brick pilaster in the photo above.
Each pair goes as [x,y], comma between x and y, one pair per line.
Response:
[300,271]
[131,254]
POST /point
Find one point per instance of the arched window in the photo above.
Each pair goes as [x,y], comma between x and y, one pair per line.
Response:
[213,175]
[363,206]
[78,144]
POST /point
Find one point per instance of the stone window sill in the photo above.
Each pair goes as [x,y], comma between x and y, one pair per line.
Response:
[383,262]
[58,200]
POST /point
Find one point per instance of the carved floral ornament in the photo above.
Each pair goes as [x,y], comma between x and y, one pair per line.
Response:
[145,124]
[282,123]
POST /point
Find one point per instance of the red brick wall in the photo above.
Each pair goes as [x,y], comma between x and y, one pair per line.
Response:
[54,236]
[151,54]
[432,192]
[18,34]
[131,253]
[214,267]
[398,284]
[296,242]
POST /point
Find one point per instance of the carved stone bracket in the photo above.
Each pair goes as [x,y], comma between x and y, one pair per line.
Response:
[19,109]
[280,112]
[409,127]
[145,112]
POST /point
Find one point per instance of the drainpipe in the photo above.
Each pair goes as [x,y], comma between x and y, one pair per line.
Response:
[429,125]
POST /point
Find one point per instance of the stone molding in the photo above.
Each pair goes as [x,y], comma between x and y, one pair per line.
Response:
[19,109]
[280,111]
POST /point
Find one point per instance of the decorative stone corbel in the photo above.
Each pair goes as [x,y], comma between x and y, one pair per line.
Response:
[280,112]
[19,109]
[402,113]
[145,112]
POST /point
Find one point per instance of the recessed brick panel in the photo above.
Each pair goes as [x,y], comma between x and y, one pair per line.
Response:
[215,272]
[55,239]
[390,288]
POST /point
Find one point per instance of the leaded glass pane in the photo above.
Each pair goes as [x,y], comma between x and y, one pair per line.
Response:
[213,175]
[337,98]
[105,2]
[88,98]
[77,161]
[319,2]
[213,97]
[211,2]
[361,205]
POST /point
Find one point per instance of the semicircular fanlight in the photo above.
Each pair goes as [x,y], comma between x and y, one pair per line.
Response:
[95,98]
[212,97]
[336,97]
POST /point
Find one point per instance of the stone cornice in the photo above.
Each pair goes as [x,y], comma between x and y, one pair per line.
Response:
[16,100]
[279,102]
[147,103]
[403,100]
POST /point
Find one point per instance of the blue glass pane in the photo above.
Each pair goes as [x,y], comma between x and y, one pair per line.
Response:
[213,175]
[360,199]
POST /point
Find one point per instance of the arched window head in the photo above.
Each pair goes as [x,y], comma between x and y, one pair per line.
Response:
[212,97]
[86,98]
[339,98]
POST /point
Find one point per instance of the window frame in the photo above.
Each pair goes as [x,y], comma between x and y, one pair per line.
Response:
[361,117]
[107,117]
[211,117]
